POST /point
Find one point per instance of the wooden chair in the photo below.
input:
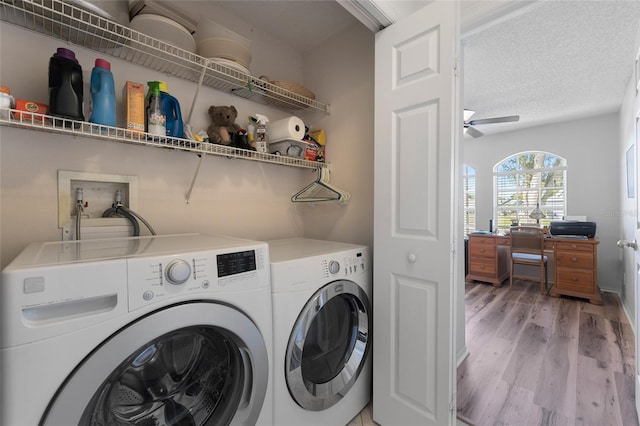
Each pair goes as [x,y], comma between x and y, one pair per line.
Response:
[527,248]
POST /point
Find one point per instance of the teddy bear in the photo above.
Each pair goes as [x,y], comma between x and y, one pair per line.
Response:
[223,127]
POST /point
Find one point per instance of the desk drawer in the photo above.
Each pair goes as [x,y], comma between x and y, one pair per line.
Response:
[503,241]
[574,259]
[575,280]
[488,241]
[571,246]
[482,250]
[486,267]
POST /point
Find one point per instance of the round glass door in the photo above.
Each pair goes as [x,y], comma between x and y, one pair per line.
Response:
[328,345]
[191,364]
[187,377]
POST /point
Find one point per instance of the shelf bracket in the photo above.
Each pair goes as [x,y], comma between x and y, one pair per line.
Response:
[193,180]
[188,126]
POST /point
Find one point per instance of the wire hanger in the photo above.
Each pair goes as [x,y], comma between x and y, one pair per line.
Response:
[320,190]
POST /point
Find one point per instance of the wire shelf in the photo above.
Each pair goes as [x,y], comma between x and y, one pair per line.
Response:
[50,124]
[75,25]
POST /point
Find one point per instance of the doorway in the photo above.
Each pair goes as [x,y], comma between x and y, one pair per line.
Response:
[491,142]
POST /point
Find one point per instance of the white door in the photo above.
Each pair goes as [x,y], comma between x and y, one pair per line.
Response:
[416,119]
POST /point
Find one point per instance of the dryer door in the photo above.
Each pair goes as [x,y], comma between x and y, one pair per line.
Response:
[328,345]
[190,364]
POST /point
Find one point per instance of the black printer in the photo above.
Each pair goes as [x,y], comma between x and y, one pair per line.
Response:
[572,228]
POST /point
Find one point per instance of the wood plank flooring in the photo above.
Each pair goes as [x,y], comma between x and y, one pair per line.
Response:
[539,360]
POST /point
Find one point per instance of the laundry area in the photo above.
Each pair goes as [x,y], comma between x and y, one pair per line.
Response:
[179,189]
[157,160]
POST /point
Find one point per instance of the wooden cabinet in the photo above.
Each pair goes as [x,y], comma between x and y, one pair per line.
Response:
[488,259]
[576,272]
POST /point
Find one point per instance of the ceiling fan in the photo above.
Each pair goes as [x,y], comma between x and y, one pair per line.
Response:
[472,131]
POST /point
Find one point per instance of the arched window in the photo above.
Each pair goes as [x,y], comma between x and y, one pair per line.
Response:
[469,183]
[526,181]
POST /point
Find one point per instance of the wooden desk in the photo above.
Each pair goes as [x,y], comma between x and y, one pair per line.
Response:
[576,264]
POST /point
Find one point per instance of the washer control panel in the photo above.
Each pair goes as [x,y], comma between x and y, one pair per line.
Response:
[151,280]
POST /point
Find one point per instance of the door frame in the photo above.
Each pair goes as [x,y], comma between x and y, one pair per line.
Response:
[636,256]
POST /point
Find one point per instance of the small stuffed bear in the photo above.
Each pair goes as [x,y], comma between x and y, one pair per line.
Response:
[223,118]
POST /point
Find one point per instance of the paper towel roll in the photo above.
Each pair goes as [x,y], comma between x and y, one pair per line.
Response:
[287,128]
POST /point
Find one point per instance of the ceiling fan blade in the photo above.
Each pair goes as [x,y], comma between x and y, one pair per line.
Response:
[506,119]
[467,114]
[475,133]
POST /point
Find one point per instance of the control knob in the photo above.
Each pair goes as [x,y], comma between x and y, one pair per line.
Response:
[334,267]
[178,271]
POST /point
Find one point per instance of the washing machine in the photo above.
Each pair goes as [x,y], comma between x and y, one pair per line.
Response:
[322,298]
[160,330]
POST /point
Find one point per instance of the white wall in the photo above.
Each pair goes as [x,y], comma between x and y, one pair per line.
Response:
[231,197]
[590,148]
[628,206]
[349,130]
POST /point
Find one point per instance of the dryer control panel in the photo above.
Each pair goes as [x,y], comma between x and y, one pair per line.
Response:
[151,280]
[305,264]
[345,264]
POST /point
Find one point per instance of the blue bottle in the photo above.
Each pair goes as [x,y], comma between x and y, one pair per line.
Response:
[103,94]
[171,108]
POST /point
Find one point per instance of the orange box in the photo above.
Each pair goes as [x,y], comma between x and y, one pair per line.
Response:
[311,152]
[134,106]
[29,106]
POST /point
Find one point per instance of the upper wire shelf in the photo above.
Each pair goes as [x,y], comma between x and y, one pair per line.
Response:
[49,124]
[72,24]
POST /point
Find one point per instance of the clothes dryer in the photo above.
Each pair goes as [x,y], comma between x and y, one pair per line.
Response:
[160,330]
[322,331]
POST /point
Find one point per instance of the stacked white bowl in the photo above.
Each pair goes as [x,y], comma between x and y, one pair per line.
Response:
[214,41]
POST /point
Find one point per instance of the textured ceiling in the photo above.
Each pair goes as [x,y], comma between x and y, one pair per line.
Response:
[551,61]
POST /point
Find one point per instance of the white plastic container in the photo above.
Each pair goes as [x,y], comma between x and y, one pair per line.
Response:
[215,41]
[115,10]
[6,101]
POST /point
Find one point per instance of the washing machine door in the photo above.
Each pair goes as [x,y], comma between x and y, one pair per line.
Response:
[328,345]
[190,364]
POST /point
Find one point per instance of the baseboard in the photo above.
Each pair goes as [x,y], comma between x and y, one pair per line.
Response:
[462,355]
[624,309]
[462,420]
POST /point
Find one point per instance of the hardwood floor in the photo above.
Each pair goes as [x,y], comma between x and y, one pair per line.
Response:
[539,360]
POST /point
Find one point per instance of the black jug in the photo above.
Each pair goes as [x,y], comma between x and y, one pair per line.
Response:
[65,85]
